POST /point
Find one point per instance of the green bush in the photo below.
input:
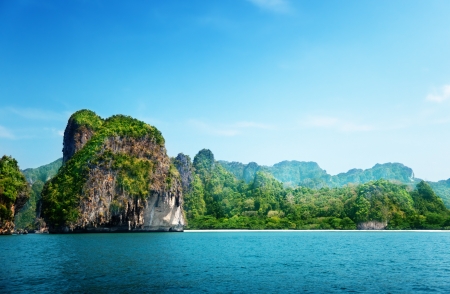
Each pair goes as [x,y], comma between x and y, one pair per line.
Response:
[12,183]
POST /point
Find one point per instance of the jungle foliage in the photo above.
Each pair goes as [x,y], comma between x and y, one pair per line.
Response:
[219,200]
[12,185]
[26,218]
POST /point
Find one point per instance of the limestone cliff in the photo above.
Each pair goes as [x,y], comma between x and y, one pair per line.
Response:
[14,193]
[79,130]
[119,178]
[186,170]
[372,225]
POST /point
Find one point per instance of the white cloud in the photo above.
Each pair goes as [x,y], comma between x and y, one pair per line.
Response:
[5,133]
[336,124]
[228,130]
[277,6]
[441,96]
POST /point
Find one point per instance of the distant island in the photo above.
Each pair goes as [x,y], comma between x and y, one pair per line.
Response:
[115,176]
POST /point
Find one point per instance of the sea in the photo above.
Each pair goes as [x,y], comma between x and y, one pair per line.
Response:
[227,262]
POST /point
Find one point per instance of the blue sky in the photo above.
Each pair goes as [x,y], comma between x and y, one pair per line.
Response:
[347,84]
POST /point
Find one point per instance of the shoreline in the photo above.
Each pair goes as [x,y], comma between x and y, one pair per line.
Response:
[305,231]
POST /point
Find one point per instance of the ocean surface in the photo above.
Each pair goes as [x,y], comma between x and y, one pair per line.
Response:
[227,262]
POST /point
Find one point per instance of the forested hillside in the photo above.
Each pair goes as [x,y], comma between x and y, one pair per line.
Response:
[42,173]
[309,174]
[216,198]
[27,217]
[442,189]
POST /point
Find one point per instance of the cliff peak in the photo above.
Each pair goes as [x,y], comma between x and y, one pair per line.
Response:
[80,128]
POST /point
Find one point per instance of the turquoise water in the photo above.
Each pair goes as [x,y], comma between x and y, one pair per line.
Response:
[231,262]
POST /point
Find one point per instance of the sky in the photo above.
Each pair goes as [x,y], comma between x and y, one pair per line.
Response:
[346,84]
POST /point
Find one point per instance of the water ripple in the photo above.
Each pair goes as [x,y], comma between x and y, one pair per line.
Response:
[238,262]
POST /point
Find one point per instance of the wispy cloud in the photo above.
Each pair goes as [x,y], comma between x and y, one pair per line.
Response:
[277,6]
[37,114]
[336,124]
[439,96]
[228,130]
[5,133]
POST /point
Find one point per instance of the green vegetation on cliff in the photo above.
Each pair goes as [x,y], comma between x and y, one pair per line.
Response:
[13,190]
[87,118]
[309,174]
[26,218]
[62,194]
[264,203]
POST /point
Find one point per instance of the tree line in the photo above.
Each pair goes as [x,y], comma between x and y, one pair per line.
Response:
[215,199]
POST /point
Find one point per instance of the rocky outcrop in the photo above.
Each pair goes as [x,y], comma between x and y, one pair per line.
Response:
[186,170]
[204,163]
[107,207]
[7,224]
[75,137]
[372,225]
[128,182]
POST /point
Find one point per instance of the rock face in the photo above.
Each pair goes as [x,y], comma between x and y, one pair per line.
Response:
[77,133]
[118,179]
[14,193]
[372,225]
[7,224]
[186,170]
